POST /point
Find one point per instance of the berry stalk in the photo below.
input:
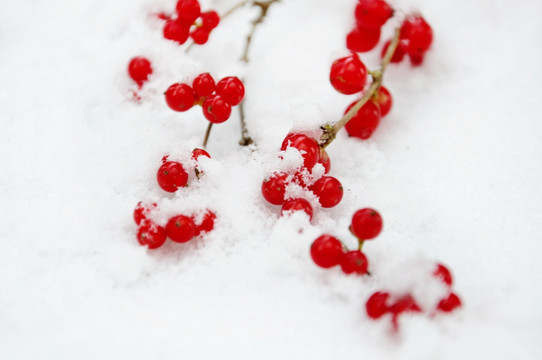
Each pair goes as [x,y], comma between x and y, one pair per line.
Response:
[331,130]
[264,7]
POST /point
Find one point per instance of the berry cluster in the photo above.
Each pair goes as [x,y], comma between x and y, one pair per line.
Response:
[172,174]
[348,75]
[327,189]
[327,251]
[139,69]
[216,99]
[416,38]
[180,228]
[382,302]
[371,15]
[189,21]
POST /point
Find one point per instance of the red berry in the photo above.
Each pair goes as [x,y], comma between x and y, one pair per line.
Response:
[188,11]
[200,35]
[373,13]
[325,161]
[442,273]
[354,262]
[364,122]
[231,89]
[171,176]
[416,59]
[296,205]
[204,85]
[450,303]
[366,224]
[151,235]
[196,153]
[216,109]
[329,191]
[384,100]
[418,33]
[404,304]
[307,146]
[376,305]
[180,229]
[399,53]
[139,69]
[207,224]
[274,187]
[348,75]
[180,97]
[362,39]
[140,212]
[210,19]
[326,251]
[176,31]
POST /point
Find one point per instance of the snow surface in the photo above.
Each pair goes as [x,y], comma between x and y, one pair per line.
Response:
[455,170]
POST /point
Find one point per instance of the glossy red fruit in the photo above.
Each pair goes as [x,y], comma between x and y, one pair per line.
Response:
[200,35]
[188,11]
[441,272]
[362,39]
[373,13]
[329,191]
[174,30]
[348,75]
[293,205]
[384,100]
[231,89]
[139,69]
[180,229]
[216,109]
[418,33]
[399,53]
[405,304]
[141,211]
[364,122]
[207,224]
[274,187]
[354,262]
[204,85]
[151,235]
[210,19]
[180,97]
[196,153]
[376,305]
[325,161]
[307,146]
[171,176]
[326,251]
[366,224]
[450,303]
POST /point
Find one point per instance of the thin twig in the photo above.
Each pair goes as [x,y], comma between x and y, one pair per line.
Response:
[207,133]
[234,7]
[264,7]
[331,130]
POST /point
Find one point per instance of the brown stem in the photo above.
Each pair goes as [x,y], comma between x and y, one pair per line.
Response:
[331,130]
[245,138]
[207,133]
[264,7]
[234,7]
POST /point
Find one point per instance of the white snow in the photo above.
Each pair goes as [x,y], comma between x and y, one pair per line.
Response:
[455,170]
